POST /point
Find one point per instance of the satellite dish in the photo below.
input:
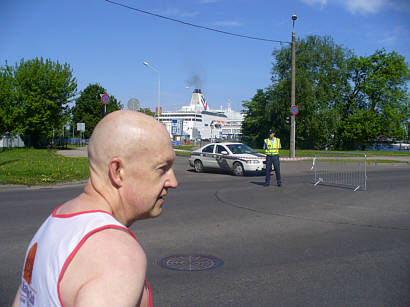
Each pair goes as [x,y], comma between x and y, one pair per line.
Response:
[133,104]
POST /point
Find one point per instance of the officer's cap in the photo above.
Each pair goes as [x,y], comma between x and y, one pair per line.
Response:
[271,131]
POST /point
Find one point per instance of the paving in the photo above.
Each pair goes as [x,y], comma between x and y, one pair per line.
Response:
[76,152]
[224,240]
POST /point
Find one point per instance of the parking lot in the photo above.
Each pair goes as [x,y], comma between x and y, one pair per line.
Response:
[254,246]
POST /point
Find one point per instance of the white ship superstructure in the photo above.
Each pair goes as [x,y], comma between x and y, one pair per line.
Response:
[198,122]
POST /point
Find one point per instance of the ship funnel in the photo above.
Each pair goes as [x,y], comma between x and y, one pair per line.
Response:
[198,102]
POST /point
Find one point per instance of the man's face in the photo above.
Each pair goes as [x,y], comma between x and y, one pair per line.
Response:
[272,135]
[148,179]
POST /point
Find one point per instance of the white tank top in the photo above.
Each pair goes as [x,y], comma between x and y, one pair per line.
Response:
[53,247]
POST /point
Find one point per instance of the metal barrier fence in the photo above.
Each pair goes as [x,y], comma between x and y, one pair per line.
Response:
[341,169]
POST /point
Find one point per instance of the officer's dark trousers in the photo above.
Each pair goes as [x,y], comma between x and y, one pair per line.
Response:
[276,164]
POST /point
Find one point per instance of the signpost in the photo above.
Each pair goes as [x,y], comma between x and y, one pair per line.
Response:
[105,99]
[174,127]
[81,128]
[294,110]
[133,104]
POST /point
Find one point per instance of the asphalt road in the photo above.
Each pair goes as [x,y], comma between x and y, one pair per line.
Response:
[290,246]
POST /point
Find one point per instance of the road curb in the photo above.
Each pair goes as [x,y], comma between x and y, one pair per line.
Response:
[17,187]
[295,159]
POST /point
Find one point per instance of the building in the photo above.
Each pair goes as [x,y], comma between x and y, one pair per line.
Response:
[10,141]
[198,122]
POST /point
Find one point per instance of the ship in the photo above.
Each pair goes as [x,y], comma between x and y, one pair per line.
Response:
[198,122]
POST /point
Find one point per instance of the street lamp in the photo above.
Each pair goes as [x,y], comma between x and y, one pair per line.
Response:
[159,87]
[292,96]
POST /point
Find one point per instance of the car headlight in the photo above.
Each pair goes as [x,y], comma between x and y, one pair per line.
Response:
[252,161]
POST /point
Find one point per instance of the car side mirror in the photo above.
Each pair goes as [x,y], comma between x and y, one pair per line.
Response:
[224,152]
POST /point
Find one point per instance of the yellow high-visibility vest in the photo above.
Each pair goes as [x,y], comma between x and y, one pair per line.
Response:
[272,147]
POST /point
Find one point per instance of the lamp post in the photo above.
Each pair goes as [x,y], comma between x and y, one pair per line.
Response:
[159,87]
[292,95]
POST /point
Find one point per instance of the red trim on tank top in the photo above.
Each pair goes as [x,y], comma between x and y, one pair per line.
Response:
[149,293]
[80,244]
[54,214]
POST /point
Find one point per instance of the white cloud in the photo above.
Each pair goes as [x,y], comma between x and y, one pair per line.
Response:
[228,23]
[363,6]
[322,3]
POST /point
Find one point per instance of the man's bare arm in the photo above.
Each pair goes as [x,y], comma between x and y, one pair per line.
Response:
[108,270]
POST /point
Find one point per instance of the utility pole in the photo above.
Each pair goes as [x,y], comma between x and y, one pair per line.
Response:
[158,112]
[292,95]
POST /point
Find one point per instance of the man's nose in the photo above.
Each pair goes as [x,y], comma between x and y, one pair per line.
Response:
[172,182]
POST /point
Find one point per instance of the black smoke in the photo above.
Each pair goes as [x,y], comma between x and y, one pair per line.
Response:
[194,81]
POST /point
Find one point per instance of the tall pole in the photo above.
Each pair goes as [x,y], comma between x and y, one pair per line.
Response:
[159,87]
[292,96]
[159,94]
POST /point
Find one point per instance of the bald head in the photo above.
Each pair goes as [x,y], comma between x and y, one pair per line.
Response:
[126,135]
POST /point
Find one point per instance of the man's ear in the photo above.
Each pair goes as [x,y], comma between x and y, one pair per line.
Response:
[116,172]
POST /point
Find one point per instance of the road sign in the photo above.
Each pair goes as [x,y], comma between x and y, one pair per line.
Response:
[294,110]
[105,99]
[81,127]
[133,104]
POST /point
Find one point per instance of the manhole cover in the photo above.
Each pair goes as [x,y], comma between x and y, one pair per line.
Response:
[190,262]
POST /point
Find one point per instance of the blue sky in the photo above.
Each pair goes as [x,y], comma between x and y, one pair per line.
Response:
[107,44]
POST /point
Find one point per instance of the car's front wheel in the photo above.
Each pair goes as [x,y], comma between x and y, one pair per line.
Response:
[199,168]
[238,169]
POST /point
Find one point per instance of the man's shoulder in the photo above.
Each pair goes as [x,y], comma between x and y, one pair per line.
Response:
[110,249]
[113,240]
[109,262]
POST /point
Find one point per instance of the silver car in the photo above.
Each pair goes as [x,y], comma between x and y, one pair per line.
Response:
[235,157]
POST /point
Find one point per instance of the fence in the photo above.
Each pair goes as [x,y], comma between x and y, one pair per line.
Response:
[341,169]
[25,141]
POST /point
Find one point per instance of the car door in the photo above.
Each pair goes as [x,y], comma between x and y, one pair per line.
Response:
[221,153]
[207,156]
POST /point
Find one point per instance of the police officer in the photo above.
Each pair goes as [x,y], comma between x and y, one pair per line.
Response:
[272,146]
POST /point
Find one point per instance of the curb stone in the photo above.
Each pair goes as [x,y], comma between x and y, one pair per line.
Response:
[17,187]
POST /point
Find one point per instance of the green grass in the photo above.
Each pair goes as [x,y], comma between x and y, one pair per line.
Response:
[311,153]
[375,161]
[182,153]
[385,153]
[185,147]
[39,166]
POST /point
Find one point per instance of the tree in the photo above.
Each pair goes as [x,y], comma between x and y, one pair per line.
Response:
[88,107]
[7,99]
[256,121]
[344,101]
[147,111]
[320,82]
[34,96]
[377,103]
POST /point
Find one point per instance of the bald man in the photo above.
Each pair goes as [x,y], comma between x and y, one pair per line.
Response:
[84,254]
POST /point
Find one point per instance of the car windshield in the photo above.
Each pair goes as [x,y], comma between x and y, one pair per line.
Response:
[240,149]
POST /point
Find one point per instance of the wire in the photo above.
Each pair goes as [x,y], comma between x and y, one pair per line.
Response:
[197,26]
